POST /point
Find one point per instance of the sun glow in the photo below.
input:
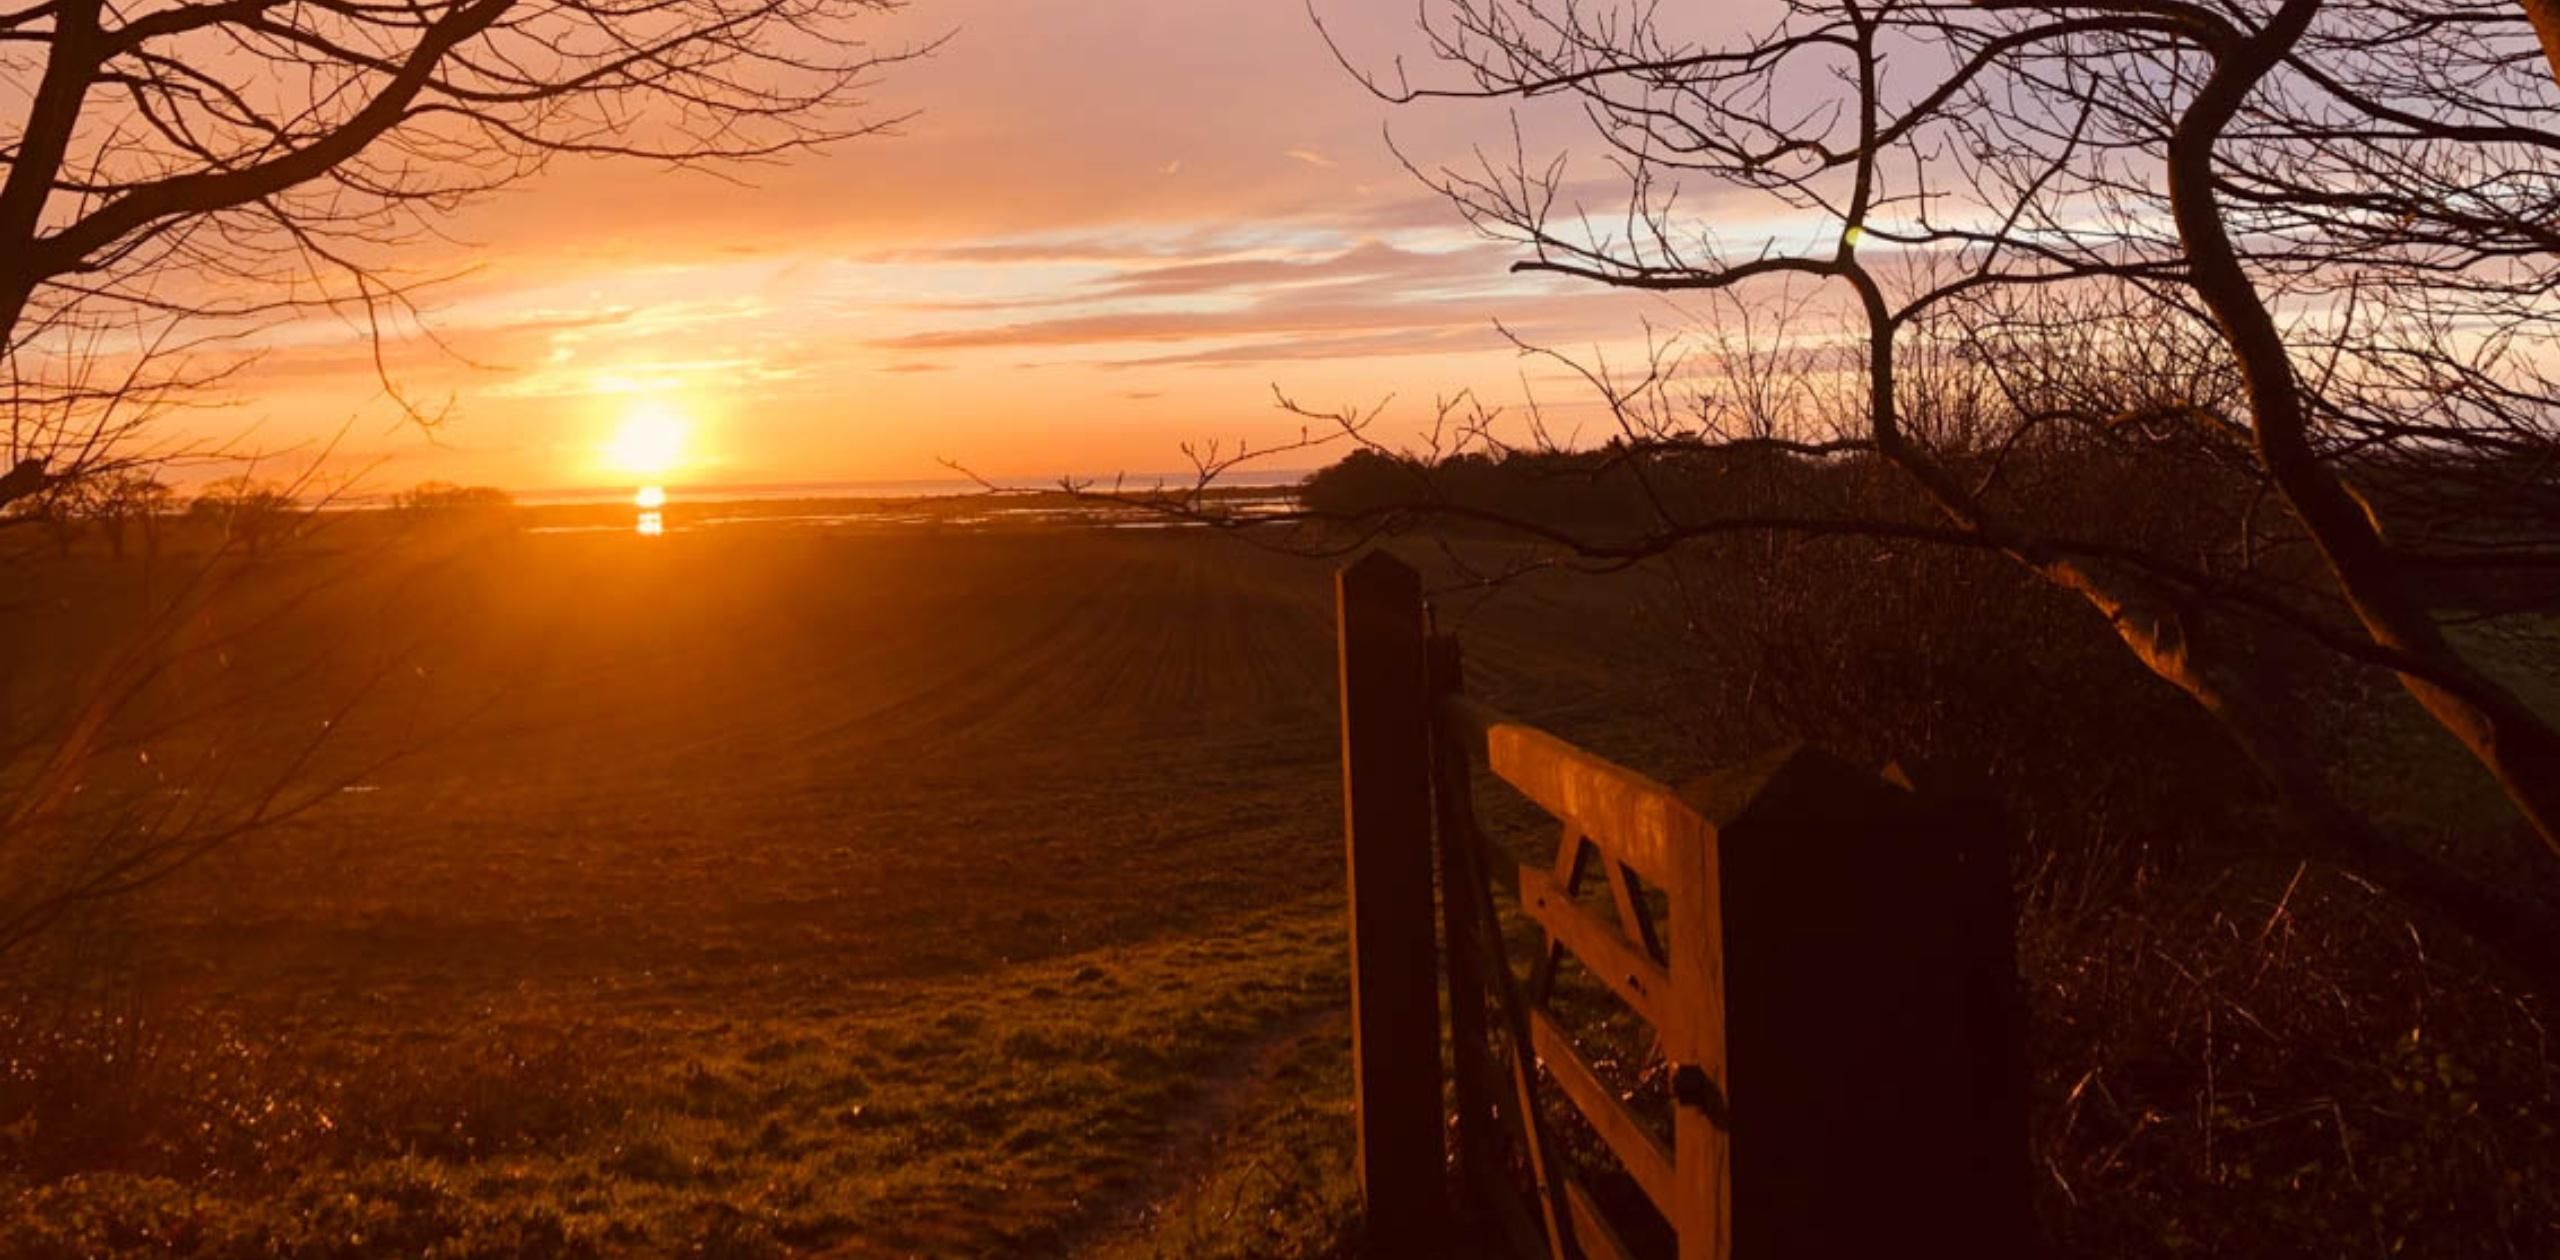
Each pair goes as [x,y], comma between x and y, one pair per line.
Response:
[650,442]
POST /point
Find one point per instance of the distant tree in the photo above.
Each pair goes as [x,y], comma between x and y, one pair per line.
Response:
[60,509]
[109,499]
[247,511]
[120,499]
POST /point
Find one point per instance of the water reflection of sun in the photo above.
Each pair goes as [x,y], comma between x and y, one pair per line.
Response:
[649,444]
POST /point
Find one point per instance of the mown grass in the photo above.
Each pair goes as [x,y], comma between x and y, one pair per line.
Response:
[781,894]
[1005,1114]
[1276,1179]
[755,892]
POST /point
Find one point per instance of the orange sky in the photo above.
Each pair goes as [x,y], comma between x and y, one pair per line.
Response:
[1112,228]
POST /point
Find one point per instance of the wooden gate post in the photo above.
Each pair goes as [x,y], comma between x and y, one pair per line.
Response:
[1395,1008]
[1870,999]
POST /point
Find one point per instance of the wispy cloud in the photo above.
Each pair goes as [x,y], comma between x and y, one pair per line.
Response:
[1360,298]
[1391,343]
[1218,198]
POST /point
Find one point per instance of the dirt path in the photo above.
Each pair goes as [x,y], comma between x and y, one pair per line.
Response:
[1197,1142]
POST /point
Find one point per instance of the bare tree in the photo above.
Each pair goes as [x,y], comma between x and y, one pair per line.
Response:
[177,176]
[2302,250]
[123,499]
[247,512]
[180,174]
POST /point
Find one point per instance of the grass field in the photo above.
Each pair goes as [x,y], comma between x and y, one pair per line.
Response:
[883,890]
[748,892]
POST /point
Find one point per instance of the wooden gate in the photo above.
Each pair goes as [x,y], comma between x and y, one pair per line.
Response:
[1822,935]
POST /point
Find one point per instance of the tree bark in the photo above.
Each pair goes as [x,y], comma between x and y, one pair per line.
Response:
[2503,733]
[2545,16]
[53,118]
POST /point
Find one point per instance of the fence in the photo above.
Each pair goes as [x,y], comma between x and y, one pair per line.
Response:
[1822,956]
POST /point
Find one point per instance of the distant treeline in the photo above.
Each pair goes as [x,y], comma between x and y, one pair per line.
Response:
[245,512]
[2482,531]
[1605,491]
[445,496]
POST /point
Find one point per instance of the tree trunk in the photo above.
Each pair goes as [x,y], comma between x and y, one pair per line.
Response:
[2504,734]
[2166,637]
[2545,16]
[2170,645]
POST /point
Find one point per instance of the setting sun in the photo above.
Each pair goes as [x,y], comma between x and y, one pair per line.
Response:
[651,441]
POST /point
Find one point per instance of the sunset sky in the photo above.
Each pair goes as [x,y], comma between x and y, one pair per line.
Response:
[1109,229]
